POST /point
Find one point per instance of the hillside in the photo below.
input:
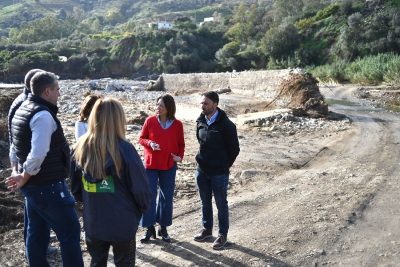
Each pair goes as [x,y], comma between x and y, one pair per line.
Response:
[14,13]
[346,41]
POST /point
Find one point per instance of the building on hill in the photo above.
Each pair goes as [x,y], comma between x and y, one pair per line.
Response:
[164,25]
[161,25]
[216,17]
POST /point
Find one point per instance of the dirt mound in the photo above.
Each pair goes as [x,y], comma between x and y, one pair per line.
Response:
[7,96]
[303,95]
[139,119]
[11,206]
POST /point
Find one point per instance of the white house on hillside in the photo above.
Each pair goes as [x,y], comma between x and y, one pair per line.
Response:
[163,25]
[209,19]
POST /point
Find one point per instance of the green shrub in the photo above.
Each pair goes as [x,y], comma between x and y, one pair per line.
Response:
[322,14]
[392,74]
[331,72]
[368,70]
[395,3]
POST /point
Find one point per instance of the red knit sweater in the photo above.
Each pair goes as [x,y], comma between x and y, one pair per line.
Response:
[171,140]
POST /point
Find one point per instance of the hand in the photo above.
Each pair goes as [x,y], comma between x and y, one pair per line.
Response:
[176,158]
[154,146]
[17,181]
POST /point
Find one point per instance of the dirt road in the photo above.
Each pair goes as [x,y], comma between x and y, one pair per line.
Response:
[339,209]
[322,194]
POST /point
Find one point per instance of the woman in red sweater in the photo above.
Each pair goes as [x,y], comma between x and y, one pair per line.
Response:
[164,146]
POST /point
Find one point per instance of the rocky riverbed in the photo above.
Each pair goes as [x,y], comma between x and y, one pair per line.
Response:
[272,143]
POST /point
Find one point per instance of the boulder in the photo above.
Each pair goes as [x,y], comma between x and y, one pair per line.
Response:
[157,85]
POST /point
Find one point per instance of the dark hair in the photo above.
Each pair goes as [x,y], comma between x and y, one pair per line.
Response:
[213,96]
[169,103]
[41,80]
[87,106]
[29,76]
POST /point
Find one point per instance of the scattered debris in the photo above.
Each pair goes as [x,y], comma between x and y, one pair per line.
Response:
[139,119]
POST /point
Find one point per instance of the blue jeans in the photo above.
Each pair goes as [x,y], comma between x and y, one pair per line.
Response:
[51,206]
[217,184]
[161,210]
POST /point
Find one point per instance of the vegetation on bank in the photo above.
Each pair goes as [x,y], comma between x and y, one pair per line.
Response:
[345,41]
[368,70]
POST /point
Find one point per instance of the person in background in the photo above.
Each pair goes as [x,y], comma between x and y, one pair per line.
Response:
[43,160]
[163,141]
[14,106]
[108,177]
[86,107]
[219,147]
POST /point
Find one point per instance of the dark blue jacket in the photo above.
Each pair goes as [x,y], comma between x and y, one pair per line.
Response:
[14,106]
[113,208]
[219,144]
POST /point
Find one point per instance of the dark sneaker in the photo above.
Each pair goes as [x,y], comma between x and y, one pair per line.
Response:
[220,242]
[203,235]
[150,232]
[162,232]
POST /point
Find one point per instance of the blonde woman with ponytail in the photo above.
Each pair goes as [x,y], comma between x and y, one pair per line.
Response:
[107,175]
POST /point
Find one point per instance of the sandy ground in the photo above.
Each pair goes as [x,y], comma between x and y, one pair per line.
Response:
[323,193]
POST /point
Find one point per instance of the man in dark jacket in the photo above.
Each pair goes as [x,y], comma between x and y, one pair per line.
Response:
[14,106]
[43,160]
[219,147]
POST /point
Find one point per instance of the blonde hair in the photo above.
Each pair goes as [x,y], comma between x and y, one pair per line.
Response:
[106,127]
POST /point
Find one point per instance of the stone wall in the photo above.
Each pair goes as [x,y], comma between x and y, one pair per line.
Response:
[253,83]
[278,88]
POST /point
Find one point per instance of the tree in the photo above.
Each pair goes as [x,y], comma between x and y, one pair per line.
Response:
[244,21]
[281,43]
[43,29]
[184,24]
[114,16]
[287,9]
[347,46]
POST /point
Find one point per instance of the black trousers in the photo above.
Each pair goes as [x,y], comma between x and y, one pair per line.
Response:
[124,252]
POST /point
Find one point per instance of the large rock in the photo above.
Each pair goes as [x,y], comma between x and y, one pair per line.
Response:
[156,85]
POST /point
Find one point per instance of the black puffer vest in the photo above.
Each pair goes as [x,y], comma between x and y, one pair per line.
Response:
[55,165]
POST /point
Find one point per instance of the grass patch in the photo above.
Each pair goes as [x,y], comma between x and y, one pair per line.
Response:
[393,105]
[322,14]
[395,3]
[371,70]
[11,9]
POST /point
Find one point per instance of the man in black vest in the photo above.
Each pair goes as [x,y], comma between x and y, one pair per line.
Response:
[13,157]
[43,159]
[219,147]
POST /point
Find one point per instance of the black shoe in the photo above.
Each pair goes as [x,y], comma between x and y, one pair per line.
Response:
[220,242]
[203,235]
[162,232]
[150,232]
